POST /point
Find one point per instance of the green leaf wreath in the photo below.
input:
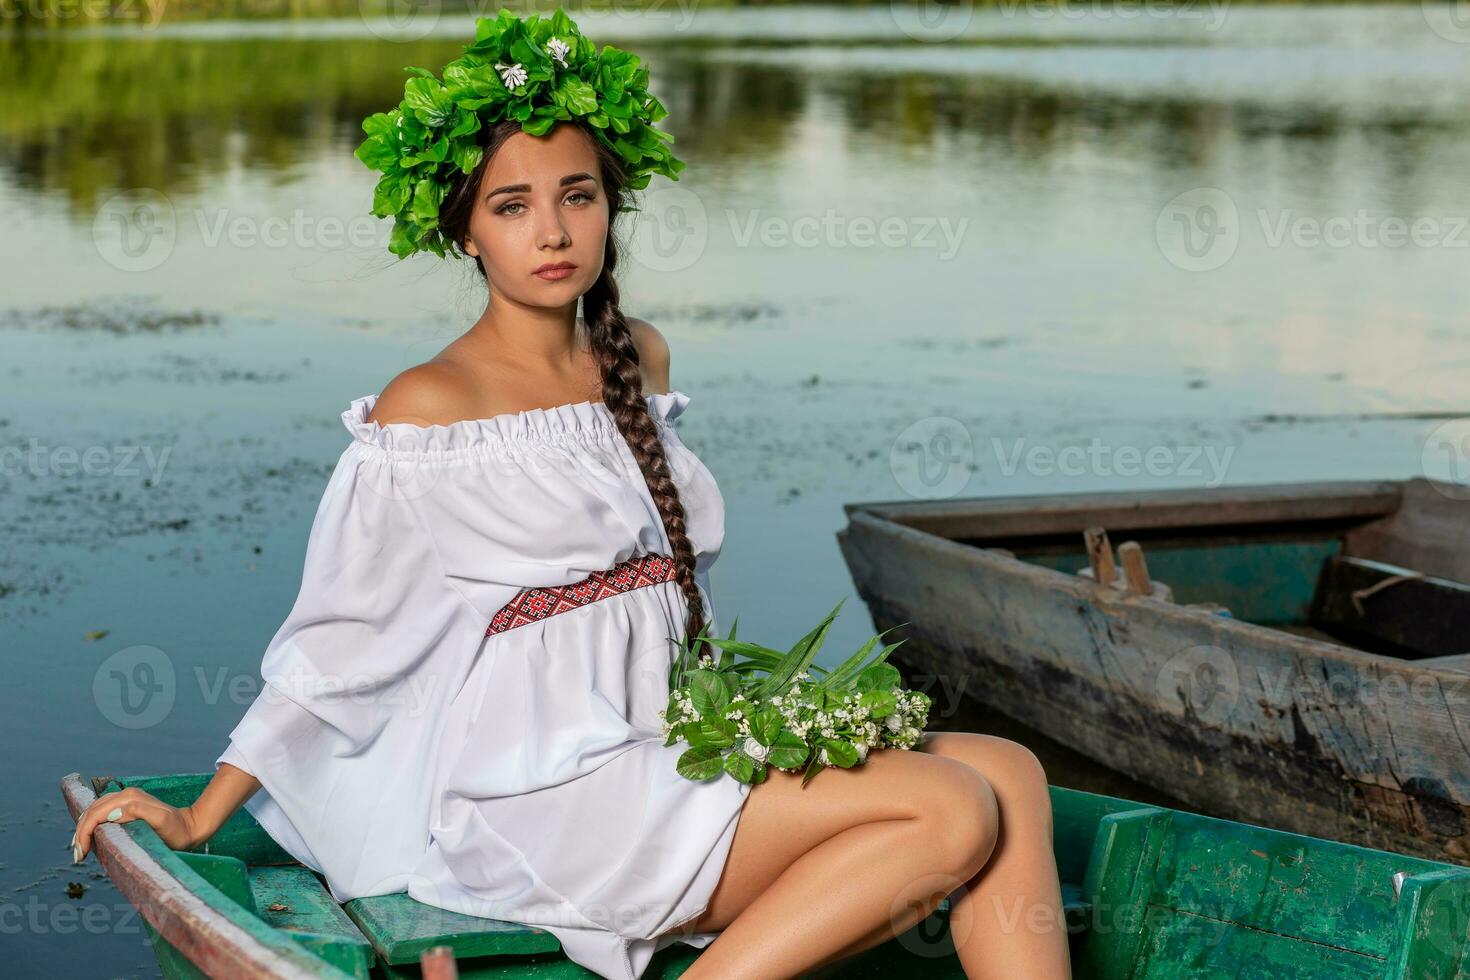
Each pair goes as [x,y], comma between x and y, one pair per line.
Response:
[751,709]
[532,70]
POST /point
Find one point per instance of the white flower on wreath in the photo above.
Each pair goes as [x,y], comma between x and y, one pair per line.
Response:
[513,76]
[559,49]
[894,722]
[755,750]
[862,751]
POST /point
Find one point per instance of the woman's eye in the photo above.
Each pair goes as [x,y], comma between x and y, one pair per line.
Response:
[574,197]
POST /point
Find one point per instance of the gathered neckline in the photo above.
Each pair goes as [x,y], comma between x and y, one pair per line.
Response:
[558,423]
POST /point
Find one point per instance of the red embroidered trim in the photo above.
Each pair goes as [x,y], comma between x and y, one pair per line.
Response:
[534,605]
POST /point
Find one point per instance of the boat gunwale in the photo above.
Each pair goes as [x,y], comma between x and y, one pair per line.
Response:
[204,924]
[1108,599]
[1163,509]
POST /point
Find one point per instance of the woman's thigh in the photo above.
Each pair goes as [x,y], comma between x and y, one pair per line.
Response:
[781,820]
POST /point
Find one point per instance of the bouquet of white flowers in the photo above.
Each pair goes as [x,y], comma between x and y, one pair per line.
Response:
[755,707]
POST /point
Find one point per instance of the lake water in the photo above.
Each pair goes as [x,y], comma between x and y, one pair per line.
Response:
[1233,237]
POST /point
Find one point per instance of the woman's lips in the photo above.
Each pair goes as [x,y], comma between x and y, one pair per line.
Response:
[557,273]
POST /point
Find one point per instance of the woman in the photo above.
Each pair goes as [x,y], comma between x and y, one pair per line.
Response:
[464,702]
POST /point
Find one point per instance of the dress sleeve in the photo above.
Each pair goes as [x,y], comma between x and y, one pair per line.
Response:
[343,732]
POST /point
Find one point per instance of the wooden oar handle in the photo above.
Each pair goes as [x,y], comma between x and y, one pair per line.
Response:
[1135,569]
[1100,555]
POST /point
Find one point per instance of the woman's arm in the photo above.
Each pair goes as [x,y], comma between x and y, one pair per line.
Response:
[181,828]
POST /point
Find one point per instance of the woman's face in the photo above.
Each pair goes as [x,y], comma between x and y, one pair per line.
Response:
[541,202]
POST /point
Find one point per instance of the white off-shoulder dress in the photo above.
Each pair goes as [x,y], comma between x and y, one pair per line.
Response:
[464,701]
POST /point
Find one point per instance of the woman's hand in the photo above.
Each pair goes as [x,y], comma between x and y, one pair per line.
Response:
[175,825]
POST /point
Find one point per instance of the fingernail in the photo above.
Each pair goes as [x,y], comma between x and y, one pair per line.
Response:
[115,813]
[73,838]
[76,854]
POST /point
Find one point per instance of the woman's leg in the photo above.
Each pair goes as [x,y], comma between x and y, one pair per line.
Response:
[1007,921]
[853,855]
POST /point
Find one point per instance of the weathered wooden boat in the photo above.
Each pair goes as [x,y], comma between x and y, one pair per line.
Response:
[1307,667]
[1149,893]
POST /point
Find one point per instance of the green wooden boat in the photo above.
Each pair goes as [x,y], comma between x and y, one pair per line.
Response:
[1149,892]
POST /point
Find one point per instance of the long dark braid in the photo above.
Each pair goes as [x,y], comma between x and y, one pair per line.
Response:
[622,384]
[612,345]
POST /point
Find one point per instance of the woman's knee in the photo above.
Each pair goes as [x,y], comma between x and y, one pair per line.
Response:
[962,819]
[1017,775]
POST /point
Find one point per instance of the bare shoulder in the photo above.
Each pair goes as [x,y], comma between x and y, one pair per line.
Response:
[653,354]
[434,393]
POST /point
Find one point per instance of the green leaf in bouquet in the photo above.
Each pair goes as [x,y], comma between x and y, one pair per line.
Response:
[812,768]
[740,765]
[726,659]
[839,753]
[760,656]
[800,656]
[880,703]
[718,732]
[846,672]
[788,750]
[884,677]
[688,655]
[709,691]
[701,763]
[765,726]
